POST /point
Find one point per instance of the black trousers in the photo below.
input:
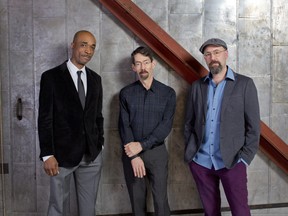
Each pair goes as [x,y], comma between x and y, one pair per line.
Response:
[156,164]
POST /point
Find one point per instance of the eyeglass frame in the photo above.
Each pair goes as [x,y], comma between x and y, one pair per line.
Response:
[144,63]
[214,53]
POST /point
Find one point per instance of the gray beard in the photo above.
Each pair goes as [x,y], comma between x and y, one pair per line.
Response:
[216,70]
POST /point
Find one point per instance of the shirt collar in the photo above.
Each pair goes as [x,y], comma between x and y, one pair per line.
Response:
[153,87]
[73,68]
[229,75]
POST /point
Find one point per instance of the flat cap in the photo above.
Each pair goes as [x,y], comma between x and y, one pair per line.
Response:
[213,41]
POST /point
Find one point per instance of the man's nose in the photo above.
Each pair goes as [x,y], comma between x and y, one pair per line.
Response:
[88,50]
[213,56]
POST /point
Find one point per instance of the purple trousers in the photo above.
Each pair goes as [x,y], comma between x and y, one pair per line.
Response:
[234,182]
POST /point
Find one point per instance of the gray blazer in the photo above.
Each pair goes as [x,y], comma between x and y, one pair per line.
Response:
[240,120]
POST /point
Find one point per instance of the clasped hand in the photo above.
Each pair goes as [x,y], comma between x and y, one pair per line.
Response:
[132,149]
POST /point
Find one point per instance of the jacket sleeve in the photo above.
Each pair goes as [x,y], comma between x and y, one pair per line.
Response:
[99,117]
[45,116]
[189,126]
[125,130]
[252,123]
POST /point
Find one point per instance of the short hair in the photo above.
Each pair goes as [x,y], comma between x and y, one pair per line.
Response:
[142,50]
[79,32]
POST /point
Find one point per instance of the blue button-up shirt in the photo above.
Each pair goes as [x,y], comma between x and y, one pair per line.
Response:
[209,153]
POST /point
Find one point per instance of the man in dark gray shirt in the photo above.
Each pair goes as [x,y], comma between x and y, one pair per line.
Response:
[147,109]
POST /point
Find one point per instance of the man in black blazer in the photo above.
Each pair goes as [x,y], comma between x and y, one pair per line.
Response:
[222,131]
[70,128]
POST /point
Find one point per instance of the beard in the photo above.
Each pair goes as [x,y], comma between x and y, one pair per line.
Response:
[214,69]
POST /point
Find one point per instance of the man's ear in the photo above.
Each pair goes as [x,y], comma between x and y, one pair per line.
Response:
[133,68]
[154,63]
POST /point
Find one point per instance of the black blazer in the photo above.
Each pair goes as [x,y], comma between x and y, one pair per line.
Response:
[62,122]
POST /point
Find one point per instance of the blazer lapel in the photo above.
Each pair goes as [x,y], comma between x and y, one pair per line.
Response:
[204,92]
[229,86]
[91,86]
[68,81]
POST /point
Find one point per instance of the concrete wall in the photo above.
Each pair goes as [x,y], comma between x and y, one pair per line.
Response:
[35,35]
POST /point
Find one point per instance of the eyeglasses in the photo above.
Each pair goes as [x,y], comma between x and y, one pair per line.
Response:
[140,64]
[215,53]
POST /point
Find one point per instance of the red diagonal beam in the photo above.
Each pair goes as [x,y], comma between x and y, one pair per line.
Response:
[185,65]
[156,38]
[274,147]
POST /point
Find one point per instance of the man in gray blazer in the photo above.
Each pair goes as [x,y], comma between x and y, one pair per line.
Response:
[222,131]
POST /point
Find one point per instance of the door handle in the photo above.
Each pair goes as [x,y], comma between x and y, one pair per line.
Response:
[19,109]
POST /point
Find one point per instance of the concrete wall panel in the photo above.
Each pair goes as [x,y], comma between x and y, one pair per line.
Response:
[280,27]
[36,35]
[254,9]
[254,47]
[51,8]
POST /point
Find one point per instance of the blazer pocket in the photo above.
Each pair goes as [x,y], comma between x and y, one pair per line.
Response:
[238,143]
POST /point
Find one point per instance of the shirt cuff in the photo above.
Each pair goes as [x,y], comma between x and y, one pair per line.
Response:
[131,158]
[243,161]
[46,157]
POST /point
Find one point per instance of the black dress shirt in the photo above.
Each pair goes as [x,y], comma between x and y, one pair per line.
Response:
[146,116]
